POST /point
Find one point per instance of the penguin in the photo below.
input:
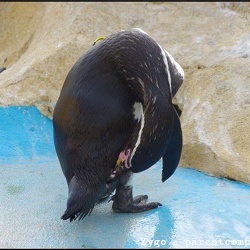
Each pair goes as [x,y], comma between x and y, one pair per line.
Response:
[114,117]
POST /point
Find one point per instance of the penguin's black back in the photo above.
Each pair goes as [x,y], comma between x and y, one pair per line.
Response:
[93,117]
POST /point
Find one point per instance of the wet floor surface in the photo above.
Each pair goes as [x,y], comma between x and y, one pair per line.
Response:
[198,211]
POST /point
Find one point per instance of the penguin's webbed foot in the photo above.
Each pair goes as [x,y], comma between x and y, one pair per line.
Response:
[125,203]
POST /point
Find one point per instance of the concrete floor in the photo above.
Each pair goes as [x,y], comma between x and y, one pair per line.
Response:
[198,211]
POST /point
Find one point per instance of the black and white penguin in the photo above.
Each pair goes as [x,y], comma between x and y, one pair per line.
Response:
[115,117]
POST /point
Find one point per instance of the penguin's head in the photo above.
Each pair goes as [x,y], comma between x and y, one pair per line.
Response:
[124,158]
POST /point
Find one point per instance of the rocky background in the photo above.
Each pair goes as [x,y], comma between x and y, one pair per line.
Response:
[39,43]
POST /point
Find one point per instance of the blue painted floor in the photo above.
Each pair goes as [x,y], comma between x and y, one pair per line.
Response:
[198,211]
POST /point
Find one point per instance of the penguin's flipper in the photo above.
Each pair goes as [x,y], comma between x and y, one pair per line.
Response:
[171,157]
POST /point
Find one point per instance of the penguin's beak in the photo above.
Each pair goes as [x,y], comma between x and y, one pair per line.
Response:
[119,163]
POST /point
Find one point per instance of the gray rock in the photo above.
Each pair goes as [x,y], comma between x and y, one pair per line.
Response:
[2,69]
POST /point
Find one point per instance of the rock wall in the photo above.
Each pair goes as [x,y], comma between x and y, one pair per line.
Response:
[40,42]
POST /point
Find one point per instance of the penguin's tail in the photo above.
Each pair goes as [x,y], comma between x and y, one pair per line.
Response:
[81,200]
